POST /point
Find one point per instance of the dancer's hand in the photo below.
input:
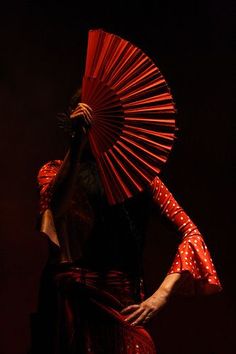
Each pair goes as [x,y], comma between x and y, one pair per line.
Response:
[82,114]
[139,314]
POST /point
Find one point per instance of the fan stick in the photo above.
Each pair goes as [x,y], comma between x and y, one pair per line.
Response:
[142,161]
[167,136]
[139,172]
[137,186]
[122,185]
[148,152]
[149,141]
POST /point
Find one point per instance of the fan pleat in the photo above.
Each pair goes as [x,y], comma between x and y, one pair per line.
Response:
[138,157]
[162,122]
[133,125]
[161,147]
[116,67]
[165,136]
[129,162]
[143,149]
[115,177]
[132,76]
[126,172]
[150,100]
[108,132]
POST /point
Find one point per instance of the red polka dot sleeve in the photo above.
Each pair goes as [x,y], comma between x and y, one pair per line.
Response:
[192,255]
[45,179]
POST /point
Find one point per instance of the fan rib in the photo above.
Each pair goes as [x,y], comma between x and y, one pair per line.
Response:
[161,147]
[119,179]
[144,162]
[139,172]
[148,152]
[136,185]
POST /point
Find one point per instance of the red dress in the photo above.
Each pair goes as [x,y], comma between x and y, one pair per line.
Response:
[192,255]
[107,298]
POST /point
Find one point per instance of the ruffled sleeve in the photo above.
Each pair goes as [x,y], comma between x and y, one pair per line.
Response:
[192,255]
[45,178]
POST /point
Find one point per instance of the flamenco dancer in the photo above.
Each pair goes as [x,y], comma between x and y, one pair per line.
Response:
[91,297]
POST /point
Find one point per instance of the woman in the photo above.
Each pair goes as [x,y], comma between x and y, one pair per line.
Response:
[91,298]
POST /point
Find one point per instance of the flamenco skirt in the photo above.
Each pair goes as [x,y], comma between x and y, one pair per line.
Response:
[80,313]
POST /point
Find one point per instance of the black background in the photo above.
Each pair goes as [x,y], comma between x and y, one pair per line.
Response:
[42,54]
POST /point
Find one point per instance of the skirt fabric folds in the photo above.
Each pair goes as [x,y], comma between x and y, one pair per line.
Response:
[81,314]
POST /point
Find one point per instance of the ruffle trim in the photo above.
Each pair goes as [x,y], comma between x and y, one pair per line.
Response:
[194,258]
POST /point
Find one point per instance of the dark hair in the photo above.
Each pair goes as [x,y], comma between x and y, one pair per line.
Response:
[75,99]
[63,118]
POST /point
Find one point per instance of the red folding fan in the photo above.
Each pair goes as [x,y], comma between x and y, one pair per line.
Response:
[133,125]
